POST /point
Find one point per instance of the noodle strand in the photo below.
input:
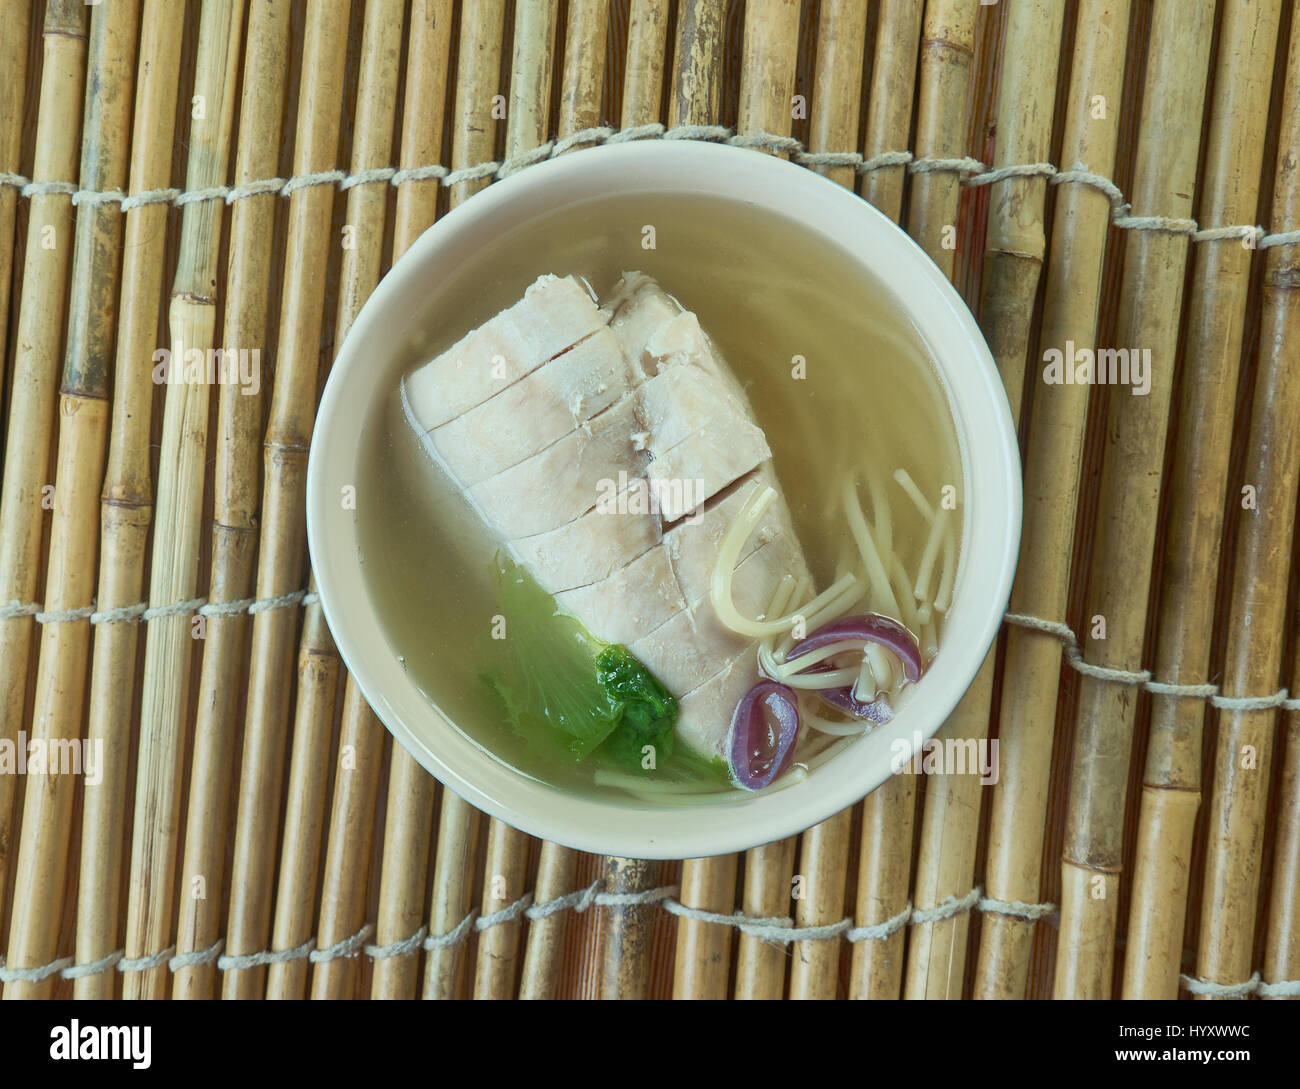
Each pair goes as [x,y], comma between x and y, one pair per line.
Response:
[930,555]
[943,598]
[908,485]
[870,557]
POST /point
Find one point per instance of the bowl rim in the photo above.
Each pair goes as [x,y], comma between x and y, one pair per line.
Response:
[991,503]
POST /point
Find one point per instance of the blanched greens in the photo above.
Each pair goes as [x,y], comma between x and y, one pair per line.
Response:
[561,685]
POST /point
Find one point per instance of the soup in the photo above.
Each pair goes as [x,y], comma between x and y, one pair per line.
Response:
[861,441]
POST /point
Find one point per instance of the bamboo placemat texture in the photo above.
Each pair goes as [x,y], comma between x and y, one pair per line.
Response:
[1088,172]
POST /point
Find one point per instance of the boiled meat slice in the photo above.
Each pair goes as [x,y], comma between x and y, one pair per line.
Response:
[674,430]
[538,410]
[610,449]
[675,572]
[553,315]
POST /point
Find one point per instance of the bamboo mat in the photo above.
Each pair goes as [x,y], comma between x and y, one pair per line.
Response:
[1088,172]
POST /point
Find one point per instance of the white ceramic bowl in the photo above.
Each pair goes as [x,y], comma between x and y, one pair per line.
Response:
[991,488]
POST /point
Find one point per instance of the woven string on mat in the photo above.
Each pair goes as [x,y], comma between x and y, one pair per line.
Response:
[975,173]
[775,929]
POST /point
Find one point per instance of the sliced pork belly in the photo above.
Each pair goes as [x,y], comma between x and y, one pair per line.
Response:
[553,315]
[561,455]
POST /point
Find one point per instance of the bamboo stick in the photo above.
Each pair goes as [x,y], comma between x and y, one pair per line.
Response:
[1055,447]
[192,317]
[1281,325]
[530,75]
[815,967]
[936,951]
[767,66]
[424,118]
[458,829]
[556,867]
[503,885]
[43,846]
[1257,628]
[889,103]
[884,869]
[760,966]
[584,65]
[1221,281]
[947,49]
[887,813]
[38,341]
[16,16]
[1013,259]
[581,85]
[625,957]
[304,814]
[127,498]
[696,94]
[841,41]
[236,490]
[411,790]
[1282,947]
[473,140]
[351,830]
[408,831]
[281,541]
[643,69]
[1013,255]
[702,963]
[769,55]
[1120,575]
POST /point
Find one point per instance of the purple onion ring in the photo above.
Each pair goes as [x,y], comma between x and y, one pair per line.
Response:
[842,699]
[866,628]
[761,750]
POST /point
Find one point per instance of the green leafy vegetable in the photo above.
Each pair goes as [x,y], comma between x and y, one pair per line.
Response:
[647,711]
[559,682]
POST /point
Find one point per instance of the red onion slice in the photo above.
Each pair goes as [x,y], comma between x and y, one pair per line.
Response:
[866,628]
[764,729]
[842,699]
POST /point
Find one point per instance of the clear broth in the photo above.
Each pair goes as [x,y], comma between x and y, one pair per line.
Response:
[776,299]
